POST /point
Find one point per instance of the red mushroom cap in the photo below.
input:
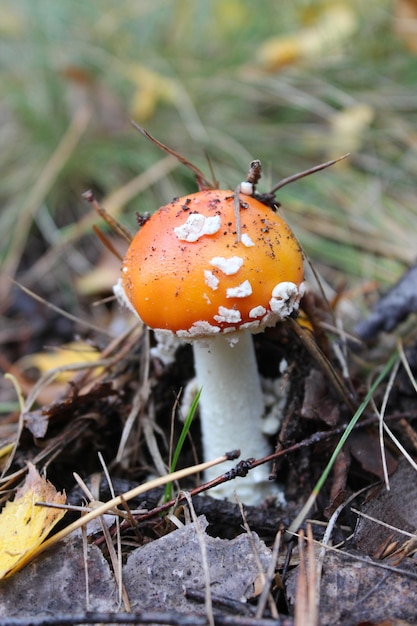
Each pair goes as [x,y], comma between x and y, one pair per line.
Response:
[186,272]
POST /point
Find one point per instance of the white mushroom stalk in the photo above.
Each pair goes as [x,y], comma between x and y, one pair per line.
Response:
[231,411]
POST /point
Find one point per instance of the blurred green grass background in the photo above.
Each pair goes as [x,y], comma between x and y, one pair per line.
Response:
[292,83]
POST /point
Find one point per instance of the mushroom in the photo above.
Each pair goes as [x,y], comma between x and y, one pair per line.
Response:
[187,273]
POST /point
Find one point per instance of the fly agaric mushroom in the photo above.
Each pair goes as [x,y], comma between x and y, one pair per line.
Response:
[186,272]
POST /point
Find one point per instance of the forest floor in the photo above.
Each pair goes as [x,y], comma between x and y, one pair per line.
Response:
[91,415]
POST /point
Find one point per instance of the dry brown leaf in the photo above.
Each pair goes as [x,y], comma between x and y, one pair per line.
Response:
[23,525]
[406,23]
[365,447]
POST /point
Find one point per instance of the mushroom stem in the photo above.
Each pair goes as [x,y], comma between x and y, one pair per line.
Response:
[231,411]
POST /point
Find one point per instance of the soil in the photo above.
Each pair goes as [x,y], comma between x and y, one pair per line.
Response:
[327,378]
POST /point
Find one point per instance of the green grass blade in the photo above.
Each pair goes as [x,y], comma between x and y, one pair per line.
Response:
[184,432]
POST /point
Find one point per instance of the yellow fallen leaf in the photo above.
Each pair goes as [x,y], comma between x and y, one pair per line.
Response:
[13,23]
[347,129]
[150,89]
[23,525]
[334,26]
[67,354]
[229,17]
[103,276]
[5,451]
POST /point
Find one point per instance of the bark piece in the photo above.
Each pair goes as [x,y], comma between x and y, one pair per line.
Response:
[54,584]
[396,507]
[392,308]
[157,574]
[354,591]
